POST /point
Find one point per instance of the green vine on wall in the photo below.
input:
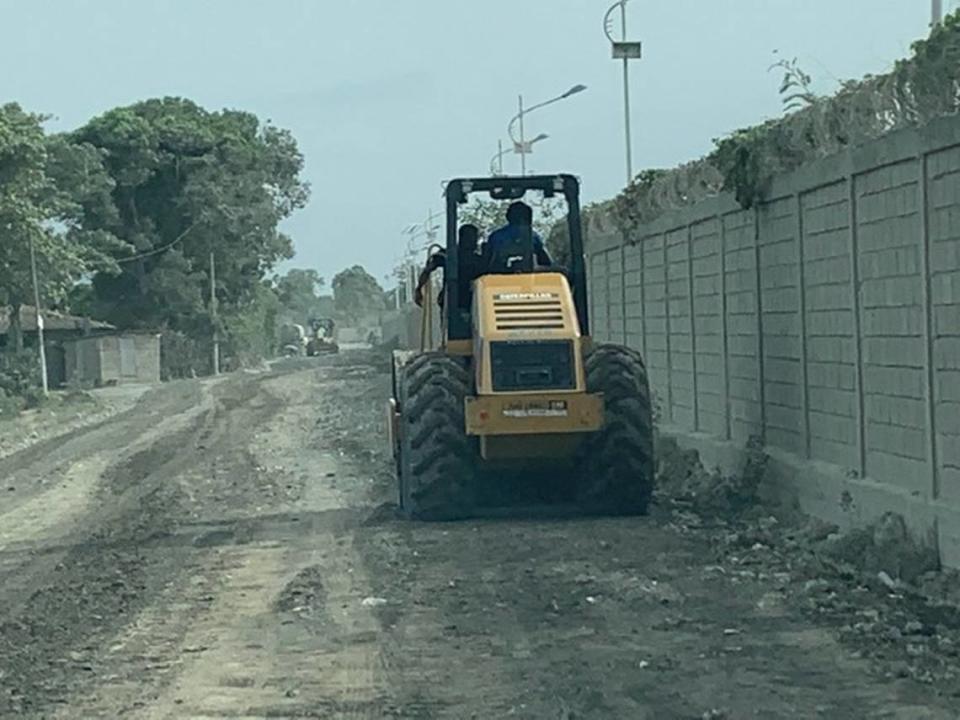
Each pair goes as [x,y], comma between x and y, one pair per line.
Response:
[919,89]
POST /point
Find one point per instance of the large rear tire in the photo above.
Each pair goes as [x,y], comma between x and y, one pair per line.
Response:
[437,464]
[616,464]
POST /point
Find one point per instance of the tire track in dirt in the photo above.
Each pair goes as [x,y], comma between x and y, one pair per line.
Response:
[266,619]
[34,470]
[38,536]
[60,607]
[275,587]
[59,610]
[287,634]
[603,619]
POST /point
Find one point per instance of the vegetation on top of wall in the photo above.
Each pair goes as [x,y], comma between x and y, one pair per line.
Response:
[919,89]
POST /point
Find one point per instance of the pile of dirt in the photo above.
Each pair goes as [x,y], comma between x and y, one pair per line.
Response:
[304,595]
[885,593]
[885,549]
[879,586]
[682,479]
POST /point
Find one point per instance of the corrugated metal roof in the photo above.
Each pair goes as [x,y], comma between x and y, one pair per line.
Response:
[53,321]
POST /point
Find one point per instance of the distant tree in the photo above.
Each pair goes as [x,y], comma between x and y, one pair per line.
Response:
[298,293]
[558,243]
[44,184]
[189,183]
[356,293]
[488,215]
[326,306]
[252,326]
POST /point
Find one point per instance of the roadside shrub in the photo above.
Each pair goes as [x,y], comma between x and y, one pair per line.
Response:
[919,89]
[183,357]
[33,397]
[9,406]
[19,373]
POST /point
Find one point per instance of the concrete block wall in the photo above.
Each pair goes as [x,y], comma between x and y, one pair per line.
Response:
[655,343]
[890,245]
[706,277]
[741,308]
[830,327]
[942,175]
[825,320]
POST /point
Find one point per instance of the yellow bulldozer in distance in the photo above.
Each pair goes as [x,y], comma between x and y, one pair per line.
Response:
[517,382]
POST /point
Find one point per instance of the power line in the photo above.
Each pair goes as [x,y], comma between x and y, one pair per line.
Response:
[157,251]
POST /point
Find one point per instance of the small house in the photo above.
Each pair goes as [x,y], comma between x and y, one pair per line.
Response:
[88,352]
[113,359]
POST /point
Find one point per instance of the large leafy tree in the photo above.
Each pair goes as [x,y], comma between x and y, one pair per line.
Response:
[488,215]
[190,186]
[44,185]
[298,293]
[357,293]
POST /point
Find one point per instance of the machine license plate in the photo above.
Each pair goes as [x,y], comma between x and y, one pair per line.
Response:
[553,408]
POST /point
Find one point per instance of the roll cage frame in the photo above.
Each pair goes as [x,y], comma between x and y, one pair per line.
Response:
[458,191]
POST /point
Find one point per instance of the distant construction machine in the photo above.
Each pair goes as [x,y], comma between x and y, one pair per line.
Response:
[323,338]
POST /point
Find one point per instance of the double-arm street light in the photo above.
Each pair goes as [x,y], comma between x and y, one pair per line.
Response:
[520,144]
[416,230]
[496,162]
[411,256]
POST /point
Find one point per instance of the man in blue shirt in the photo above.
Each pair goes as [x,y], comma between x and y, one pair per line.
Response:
[519,222]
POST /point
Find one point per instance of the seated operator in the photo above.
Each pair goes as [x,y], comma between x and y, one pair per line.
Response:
[519,221]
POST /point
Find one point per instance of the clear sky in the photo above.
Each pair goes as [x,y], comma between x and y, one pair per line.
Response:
[387,98]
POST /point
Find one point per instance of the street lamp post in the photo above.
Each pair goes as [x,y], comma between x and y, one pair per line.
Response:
[523,147]
[626,95]
[411,261]
[496,162]
[936,13]
[520,145]
[626,51]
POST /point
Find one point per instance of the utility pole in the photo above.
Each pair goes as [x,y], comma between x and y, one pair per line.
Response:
[523,142]
[39,317]
[500,156]
[213,314]
[624,50]
[626,95]
[431,232]
[936,14]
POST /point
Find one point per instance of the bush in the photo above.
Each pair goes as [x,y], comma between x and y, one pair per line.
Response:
[183,357]
[9,406]
[919,89]
[19,373]
[20,382]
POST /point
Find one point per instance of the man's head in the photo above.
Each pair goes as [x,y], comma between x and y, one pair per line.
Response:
[519,213]
[467,237]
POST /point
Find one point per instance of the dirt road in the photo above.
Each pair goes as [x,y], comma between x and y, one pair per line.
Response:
[227,549]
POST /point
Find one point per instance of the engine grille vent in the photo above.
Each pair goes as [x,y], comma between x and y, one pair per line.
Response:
[529,311]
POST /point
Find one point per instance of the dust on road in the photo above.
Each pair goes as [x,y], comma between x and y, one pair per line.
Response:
[228,549]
